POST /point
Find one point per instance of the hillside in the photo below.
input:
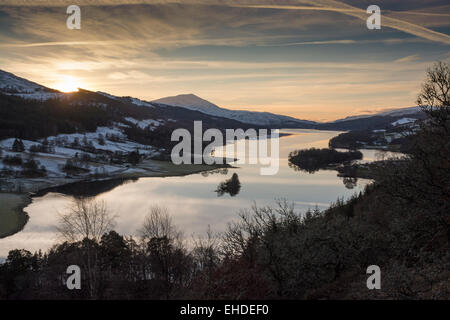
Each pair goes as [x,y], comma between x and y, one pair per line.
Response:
[382,120]
[187,107]
[192,102]
[86,134]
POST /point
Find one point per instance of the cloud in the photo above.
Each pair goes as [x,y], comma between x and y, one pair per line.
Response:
[331,5]
[308,60]
[411,58]
[323,5]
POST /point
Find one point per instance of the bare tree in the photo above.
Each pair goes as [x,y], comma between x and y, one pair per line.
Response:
[85,218]
[206,250]
[159,224]
[424,180]
[167,261]
[436,88]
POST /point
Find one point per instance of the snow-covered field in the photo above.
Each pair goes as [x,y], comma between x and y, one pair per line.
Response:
[145,123]
[68,146]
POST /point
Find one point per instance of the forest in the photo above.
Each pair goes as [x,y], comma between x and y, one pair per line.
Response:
[313,159]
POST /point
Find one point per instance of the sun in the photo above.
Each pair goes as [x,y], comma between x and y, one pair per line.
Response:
[67,84]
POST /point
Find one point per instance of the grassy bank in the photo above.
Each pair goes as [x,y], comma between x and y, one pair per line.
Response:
[12,216]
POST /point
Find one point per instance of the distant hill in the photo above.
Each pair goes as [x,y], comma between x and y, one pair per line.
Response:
[382,120]
[14,85]
[193,102]
[31,111]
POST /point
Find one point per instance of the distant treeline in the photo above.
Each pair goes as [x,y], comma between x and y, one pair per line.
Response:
[29,119]
[367,138]
[314,159]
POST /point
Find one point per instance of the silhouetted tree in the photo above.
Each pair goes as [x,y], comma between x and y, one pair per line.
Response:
[231,186]
[18,146]
[101,139]
[134,157]
[87,220]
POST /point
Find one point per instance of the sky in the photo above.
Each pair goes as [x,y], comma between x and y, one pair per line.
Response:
[313,60]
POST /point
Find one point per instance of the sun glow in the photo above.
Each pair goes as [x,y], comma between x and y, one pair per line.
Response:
[67,84]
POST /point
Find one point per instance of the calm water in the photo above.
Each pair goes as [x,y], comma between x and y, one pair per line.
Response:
[192,201]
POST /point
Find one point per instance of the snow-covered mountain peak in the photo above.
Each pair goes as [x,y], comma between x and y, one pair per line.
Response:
[11,83]
[190,101]
[193,102]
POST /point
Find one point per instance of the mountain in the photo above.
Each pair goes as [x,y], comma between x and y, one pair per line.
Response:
[25,106]
[391,113]
[192,102]
[184,109]
[11,84]
[14,84]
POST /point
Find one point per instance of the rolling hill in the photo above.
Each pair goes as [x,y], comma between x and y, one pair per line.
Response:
[267,119]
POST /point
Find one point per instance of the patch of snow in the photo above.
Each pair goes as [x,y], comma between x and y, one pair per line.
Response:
[135,101]
[9,82]
[8,143]
[41,96]
[121,125]
[145,123]
[141,103]
[403,121]
[13,85]
[113,146]
[108,95]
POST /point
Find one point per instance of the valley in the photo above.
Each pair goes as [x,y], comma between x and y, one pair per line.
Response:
[50,139]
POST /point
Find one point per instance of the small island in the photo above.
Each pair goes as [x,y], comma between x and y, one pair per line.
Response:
[314,159]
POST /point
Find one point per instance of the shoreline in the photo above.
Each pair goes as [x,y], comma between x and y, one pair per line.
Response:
[12,213]
[14,203]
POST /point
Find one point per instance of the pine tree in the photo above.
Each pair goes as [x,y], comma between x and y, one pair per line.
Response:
[18,146]
[101,139]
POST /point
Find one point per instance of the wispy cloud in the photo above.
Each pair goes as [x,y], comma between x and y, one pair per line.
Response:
[331,5]
[287,57]
[324,5]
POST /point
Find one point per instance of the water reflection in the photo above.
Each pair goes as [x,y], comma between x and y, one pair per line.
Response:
[231,186]
[222,171]
[350,182]
[87,189]
[191,200]
[310,169]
